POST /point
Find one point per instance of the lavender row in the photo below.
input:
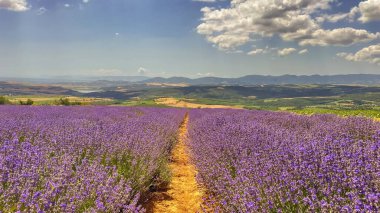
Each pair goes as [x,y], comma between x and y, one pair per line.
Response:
[82,159]
[257,161]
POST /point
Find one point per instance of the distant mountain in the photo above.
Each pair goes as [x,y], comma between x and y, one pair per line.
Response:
[249,80]
[364,79]
[99,78]
[119,78]
[73,79]
[9,88]
[172,80]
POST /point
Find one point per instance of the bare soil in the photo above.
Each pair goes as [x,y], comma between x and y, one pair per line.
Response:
[183,194]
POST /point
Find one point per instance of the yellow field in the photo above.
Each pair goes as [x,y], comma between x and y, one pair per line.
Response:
[173,102]
[51,99]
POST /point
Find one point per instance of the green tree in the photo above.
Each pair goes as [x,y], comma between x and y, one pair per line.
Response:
[3,100]
[64,101]
[29,102]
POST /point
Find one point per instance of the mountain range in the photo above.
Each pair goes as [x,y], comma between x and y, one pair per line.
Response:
[365,79]
[249,80]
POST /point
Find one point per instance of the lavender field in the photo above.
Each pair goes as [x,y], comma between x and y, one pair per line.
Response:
[108,159]
[82,159]
[256,161]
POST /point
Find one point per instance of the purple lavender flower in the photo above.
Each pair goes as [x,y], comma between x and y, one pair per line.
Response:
[286,163]
[82,159]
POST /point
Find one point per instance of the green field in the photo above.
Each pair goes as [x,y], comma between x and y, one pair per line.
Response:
[41,100]
[371,113]
[343,100]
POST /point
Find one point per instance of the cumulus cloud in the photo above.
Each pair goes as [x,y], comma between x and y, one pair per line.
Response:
[245,20]
[259,51]
[304,51]
[14,5]
[286,51]
[333,18]
[369,10]
[339,37]
[256,52]
[369,54]
[366,11]
[142,71]
[205,74]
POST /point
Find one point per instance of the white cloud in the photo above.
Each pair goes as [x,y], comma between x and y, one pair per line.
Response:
[369,10]
[332,17]
[286,51]
[85,1]
[205,74]
[369,54]
[66,5]
[256,52]
[259,51]
[41,11]
[304,51]
[142,71]
[234,51]
[338,37]
[14,5]
[342,54]
[291,20]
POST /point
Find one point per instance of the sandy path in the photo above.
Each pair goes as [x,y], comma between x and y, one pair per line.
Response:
[183,193]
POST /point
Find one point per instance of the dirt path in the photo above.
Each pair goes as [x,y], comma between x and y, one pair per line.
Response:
[183,193]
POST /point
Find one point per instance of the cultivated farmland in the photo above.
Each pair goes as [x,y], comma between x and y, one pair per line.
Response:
[83,159]
[258,161]
[135,159]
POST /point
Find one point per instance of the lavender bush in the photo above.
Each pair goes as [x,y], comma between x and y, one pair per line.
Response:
[257,161]
[82,159]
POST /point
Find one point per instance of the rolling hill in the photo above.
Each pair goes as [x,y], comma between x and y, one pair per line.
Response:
[363,79]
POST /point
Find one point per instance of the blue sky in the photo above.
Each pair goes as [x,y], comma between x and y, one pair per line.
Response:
[40,38]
